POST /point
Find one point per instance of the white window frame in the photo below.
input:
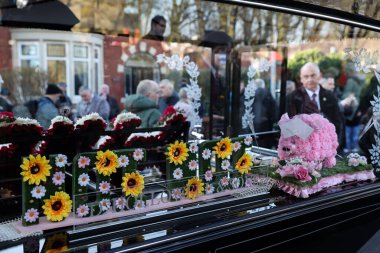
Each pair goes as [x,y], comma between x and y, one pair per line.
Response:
[28,57]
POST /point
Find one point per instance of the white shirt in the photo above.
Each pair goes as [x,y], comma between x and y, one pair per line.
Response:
[310,93]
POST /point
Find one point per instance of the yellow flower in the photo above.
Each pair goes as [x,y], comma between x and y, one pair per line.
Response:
[177,152]
[35,169]
[133,184]
[194,188]
[107,162]
[58,206]
[224,148]
[57,243]
[244,164]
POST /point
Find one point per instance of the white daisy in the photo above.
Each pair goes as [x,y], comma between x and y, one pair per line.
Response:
[225,164]
[38,191]
[139,204]
[362,160]
[248,140]
[83,161]
[193,147]
[123,161]
[59,178]
[237,146]
[224,181]
[31,215]
[209,189]
[138,154]
[176,193]
[105,204]
[206,154]
[83,210]
[177,173]
[235,183]
[208,175]
[60,160]
[104,187]
[83,179]
[193,165]
[120,203]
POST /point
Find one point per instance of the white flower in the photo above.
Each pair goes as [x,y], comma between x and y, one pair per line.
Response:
[120,203]
[125,117]
[60,160]
[224,181]
[177,173]
[139,204]
[248,140]
[92,116]
[225,164]
[104,187]
[25,121]
[193,147]
[193,165]
[83,161]
[235,183]
[353,155]
[362,160]
[105,204]
[83,179]
[31,215]
[206,154]
[237,146]
[83,210]
[123,161]
[208,175]
[58,178]
[353,162]
[209,189]
[176,193]
[62,119]
[38,191]
[138,154]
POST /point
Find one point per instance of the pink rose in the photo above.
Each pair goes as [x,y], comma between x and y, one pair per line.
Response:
[302,174]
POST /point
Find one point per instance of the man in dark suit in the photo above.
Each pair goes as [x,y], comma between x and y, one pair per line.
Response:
[313,98]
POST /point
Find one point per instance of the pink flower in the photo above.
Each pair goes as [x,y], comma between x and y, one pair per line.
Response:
[286,170]
[302,174]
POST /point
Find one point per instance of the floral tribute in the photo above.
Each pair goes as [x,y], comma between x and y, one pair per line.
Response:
[62,128]
[187,160]
[88,129]
[105,164]
[10,128]
[43,189]
[307,162]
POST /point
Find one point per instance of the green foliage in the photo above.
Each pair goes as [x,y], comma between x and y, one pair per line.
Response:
[326,62]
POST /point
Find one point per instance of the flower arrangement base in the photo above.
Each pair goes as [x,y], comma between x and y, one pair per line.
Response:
[328,179]
[150,209]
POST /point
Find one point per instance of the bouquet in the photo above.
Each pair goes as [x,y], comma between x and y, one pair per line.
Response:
[88,130]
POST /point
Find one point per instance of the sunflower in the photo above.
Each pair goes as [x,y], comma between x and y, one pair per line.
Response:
[58,206]
[194,188]
[133,184]
[224,148]
[244,164]
[107,162]
[177,152]
[35,169]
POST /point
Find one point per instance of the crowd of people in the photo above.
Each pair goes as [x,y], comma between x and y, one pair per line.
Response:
[149,103]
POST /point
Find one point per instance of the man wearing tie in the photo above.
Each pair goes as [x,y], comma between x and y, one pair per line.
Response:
[313,98]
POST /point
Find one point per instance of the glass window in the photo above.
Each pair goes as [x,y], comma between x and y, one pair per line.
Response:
[81,75]
[80,51]
[56,50]
[57,71]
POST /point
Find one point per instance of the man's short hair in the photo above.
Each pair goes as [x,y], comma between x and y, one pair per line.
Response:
[144,87]
[167,83]
[311,65]
[157,19]
[84,88]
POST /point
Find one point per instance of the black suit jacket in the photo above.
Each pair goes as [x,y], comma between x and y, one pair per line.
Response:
[298,102]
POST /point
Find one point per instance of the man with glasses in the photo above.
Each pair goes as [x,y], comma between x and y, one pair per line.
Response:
[144,103]
[157,29]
